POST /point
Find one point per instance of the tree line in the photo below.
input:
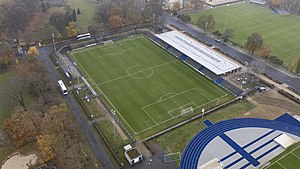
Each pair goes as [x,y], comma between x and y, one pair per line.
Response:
[290,6]
[40,116]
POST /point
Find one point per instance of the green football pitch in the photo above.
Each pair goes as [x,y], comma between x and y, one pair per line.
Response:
[290,159]
[281,32]
[148,88]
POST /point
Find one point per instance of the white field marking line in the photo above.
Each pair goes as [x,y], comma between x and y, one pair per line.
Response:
[296,156]
[116,53]
[149,68]
[202,94]
[139,78]
[99,46]
[162,97]
[168,98]
[177,116]
[91,54]
[149,116]
[101,92]
[284,156]
[280,165]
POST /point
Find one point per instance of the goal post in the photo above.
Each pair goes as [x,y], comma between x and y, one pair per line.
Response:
[187,111]
[171,157]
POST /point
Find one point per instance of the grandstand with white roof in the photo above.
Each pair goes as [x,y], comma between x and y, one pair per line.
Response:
[201,54]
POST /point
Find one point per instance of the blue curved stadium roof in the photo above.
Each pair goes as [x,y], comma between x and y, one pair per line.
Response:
[194,149]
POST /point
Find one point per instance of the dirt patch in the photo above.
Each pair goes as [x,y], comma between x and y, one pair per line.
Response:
[17,161]
[270,105]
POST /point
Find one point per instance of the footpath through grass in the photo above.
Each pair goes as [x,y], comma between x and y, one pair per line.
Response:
[281,32]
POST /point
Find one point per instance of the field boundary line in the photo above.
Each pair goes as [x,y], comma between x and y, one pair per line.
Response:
[91,54]
[128,75]
[296,156]
[101,92]
[281,165]
[120,51]
[149,116]
[277,161]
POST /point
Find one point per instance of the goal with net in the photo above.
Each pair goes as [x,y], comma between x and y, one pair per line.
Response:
[187,111]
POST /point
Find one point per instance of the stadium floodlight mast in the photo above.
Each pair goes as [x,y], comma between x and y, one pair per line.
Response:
[245,71]
[53,39]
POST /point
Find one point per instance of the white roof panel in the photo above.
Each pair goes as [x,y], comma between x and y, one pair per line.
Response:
[284,140]
[205,56]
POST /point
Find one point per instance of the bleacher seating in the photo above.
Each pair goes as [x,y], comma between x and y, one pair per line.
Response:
[162,43]
[175,52]
[235,90]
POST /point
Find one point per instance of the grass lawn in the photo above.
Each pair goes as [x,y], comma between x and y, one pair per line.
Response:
[176,140]
[147,87]
[289,159]
[4,106]
[281,32]
[88,13]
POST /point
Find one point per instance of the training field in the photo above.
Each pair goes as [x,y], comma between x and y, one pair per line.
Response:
[281,32]
[290,159]
[147,87]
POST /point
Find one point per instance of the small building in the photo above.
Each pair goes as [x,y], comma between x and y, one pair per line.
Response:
[133,155]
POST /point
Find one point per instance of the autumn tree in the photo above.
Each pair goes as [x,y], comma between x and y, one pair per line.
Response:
[67,146]
[175,7]
[134,16]
[276,2]
[6,55]
[72,29]
[115,21]
[197,3]
[33,51]
[264,51]
[295,66]
[228,34]
[45,144]
[22,127]
[254,42]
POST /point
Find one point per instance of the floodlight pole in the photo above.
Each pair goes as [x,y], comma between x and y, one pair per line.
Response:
[246,67]
[54,43]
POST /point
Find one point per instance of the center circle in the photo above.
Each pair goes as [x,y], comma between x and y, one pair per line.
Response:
[140,72]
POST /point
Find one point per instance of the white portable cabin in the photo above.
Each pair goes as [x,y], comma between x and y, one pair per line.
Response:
[133,155]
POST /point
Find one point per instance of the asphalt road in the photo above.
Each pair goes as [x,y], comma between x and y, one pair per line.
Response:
[91,137]
[273,72]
